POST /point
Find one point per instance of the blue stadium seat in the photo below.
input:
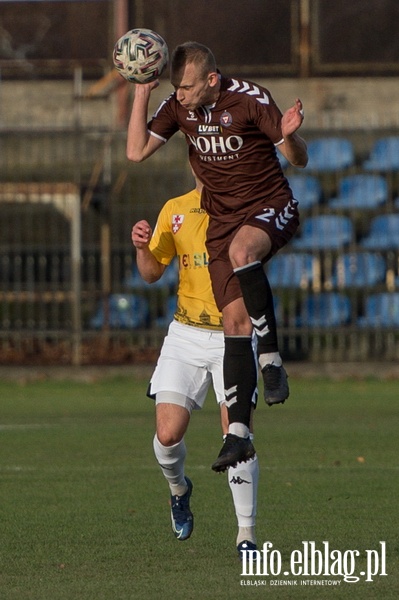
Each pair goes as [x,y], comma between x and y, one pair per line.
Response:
[169,279]
[324,232]
[359,269]
[362,191]
[383,234]
[381,310]
[170,309]
[330,154]
[125,311]
[384,155]
[294,270]
[328,309]
[306,189]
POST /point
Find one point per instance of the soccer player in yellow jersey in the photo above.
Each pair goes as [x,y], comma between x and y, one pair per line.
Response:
[191,359]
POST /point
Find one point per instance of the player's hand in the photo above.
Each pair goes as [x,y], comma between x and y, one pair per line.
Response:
[292,119]
[141,234]
[146,87]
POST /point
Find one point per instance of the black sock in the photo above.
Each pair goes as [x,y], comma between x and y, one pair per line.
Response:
[240,378]
[258,299]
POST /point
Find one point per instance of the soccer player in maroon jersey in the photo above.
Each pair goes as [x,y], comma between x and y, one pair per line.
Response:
[232,128]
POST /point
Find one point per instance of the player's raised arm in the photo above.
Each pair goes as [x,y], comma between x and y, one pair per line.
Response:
[149,268]
[140,143]
[294,147]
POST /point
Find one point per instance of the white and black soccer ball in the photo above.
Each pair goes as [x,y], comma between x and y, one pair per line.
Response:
[141,55]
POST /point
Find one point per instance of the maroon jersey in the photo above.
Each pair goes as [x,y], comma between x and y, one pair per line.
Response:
[231,146]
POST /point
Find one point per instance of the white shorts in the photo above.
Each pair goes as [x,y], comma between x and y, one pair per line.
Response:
[191,359]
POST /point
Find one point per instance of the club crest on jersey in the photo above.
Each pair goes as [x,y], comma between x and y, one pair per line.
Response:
[226,119]
[177,221]
[191,116]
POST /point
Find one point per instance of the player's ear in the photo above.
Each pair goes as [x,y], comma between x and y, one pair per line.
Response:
[213,78]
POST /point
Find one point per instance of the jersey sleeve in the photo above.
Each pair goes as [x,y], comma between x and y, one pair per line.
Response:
[163,123]
[267,117]
[162,243]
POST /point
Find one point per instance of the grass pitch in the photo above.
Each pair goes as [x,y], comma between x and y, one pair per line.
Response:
[84,508]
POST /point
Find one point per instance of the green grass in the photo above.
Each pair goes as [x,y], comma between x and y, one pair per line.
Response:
[84,509]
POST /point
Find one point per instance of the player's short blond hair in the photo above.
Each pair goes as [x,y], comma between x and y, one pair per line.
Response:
[193,52]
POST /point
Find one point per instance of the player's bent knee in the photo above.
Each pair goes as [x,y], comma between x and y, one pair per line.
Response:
[167,437]
[239,257]
[171,419]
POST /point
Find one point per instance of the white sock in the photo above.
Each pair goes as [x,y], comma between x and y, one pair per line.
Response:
[243,482]
[246,534]
[171,460]
[239,429]
[272,358]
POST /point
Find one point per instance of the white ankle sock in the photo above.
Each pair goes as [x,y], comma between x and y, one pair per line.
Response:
[246,534]
[273,358]
[239,429]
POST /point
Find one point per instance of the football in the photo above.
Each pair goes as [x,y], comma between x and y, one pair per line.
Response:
[141,55]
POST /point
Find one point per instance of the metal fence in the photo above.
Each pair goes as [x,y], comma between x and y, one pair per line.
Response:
[69,290]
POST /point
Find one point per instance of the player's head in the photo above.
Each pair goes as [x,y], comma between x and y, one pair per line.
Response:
[195,53]
[194,75]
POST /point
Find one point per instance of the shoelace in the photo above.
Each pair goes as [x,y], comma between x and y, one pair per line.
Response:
[180,506]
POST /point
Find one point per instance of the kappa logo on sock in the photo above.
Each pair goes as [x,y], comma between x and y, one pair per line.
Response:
[238,480]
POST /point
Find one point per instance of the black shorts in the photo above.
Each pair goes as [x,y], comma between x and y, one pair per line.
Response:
[279,218]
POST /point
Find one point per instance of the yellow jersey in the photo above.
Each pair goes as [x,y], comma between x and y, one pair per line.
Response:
[181,231]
